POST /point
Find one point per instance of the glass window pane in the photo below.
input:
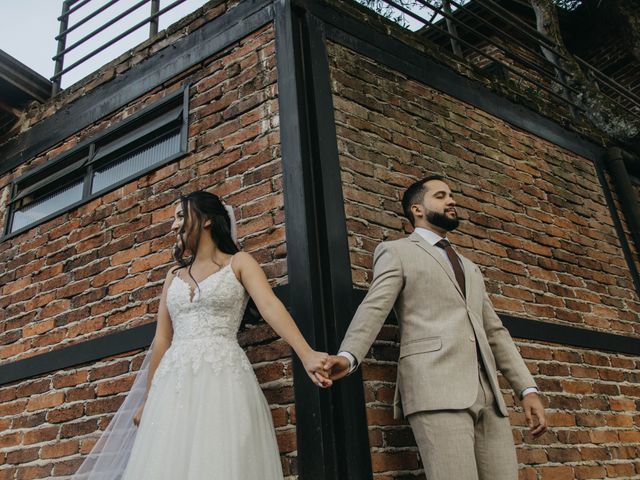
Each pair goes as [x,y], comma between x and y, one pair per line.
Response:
[47,205]
[136,161]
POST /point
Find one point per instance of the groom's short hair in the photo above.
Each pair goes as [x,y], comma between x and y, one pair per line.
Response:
[415,194]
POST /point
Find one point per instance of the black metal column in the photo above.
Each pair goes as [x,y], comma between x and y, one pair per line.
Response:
[331,425]
[599,164]
[627,195]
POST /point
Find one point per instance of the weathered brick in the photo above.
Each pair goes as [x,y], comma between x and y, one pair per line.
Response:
[384,462]
[40,435]
[10,439]
[45,401]
[70,430]
[64,414]
[111,387]
[70,379]
[24,455]
[30,388]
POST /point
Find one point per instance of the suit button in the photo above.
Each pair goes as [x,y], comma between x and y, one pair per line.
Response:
[472,338]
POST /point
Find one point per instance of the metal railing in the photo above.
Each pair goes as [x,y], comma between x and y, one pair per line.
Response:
[485,31]
[460,25]
[73,7]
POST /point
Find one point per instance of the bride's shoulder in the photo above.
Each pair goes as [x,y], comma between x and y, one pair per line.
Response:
[171,274]
[240,260]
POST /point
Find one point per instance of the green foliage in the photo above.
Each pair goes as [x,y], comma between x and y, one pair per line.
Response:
[568,4]
[421,8]
[388,11]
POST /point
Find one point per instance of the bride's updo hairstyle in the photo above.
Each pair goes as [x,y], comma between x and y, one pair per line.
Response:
[197,208]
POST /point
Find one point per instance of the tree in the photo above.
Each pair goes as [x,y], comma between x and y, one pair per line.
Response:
[598,108]
[603,112]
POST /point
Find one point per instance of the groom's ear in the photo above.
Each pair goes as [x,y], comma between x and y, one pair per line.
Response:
[417,210]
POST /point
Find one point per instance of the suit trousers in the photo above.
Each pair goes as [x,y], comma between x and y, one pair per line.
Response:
[471,444]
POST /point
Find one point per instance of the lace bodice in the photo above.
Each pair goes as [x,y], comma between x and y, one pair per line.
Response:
[215,309]
[205,323]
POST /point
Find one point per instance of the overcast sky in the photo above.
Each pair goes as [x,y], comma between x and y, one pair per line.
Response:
[29,28]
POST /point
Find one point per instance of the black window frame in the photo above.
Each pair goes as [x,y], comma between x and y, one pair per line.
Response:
[168,115]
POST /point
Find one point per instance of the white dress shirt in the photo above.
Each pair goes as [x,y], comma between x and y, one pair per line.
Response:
[432,238]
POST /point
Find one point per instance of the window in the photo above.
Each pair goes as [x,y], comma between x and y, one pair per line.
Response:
[152,137]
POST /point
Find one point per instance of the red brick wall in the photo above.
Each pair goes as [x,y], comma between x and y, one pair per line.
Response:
[535,219]
[99,269]
[526,67]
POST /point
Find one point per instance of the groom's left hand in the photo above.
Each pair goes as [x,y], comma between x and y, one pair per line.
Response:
[534,413]
[337,367]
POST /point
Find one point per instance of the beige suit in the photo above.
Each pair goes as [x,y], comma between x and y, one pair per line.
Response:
[439,330]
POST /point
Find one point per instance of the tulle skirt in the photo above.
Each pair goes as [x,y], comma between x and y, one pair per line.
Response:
[207,424]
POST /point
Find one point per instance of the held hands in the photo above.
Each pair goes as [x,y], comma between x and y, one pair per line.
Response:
[336,367]
[324,369]
[534,413]
[314,365]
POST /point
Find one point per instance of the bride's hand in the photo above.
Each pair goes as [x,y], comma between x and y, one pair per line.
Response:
[138,415]
[314,365]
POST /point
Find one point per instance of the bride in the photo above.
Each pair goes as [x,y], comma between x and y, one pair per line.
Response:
[199,409]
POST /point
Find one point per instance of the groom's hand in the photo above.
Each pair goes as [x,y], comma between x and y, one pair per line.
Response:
[337,366]
[534,413]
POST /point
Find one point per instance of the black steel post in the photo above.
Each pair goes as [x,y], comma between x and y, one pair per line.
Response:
[154,18]
[316,452]
[349,416]
[599,164]
[331,425]
[62,41]
[626,193]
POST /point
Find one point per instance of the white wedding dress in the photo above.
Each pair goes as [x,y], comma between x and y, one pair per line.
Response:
[205,417]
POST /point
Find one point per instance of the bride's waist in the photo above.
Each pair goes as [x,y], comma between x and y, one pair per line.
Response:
[204,337]
[218,351]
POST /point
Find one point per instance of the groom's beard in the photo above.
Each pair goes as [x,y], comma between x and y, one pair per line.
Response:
[441,220]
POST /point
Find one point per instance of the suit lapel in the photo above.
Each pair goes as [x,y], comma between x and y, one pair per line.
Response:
[468,268]
[437,256]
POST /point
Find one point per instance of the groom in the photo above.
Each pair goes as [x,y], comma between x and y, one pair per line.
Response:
[451,345]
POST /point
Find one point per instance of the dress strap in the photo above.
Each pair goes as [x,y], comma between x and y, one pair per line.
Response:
[231,264]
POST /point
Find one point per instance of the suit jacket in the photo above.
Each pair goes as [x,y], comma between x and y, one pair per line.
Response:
[439,329]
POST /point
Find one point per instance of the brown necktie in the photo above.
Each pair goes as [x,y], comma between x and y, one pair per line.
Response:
[455,263]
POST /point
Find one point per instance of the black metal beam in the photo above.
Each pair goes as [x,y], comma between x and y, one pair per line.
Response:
[316,449]
[20,85]
[332,434]
[599,165]
[349,414]
[194,48]
[567,335]
[627,194]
